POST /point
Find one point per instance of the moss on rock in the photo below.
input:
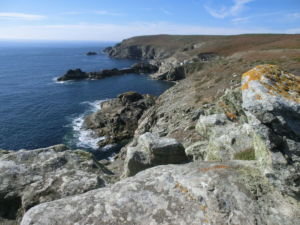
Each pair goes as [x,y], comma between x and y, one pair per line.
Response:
[248,154]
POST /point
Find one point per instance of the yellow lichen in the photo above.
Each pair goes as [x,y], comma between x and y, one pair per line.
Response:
[276,81]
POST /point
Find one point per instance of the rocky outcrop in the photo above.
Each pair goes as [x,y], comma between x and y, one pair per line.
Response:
[118,118]
[174,74]
[76,74]
[138,68]
[28,178]
[152,150]
[194,193]
[260,122]
[271,99]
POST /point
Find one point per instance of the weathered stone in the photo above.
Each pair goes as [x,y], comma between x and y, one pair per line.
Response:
[172,74]
[31,177]
[198,150]
[195,193]
[224,139]
[152,150]
[271,99]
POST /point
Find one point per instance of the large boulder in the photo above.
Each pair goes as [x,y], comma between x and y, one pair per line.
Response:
[31,177]
[195,193]
[118,118]
[261,121]
[271,100]
[152,150]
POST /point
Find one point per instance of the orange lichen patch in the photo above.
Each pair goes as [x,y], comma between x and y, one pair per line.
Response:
[276,81]
[181,187]
[214,168]
[231,116]
[258,97]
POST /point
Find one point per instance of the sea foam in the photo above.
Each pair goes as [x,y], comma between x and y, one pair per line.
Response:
[85,138]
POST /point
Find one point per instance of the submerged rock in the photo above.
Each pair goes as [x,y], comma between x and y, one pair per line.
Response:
[31,177]
[91,53]
[194,193]
[152,150]
[118,118]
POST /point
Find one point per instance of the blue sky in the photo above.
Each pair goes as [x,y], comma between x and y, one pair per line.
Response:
[114,20]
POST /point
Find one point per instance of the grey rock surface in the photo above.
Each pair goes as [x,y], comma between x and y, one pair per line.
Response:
[271,100]
[31,177]
[195,193]
[152,150]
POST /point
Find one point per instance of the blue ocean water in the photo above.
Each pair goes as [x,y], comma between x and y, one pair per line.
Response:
[36,111]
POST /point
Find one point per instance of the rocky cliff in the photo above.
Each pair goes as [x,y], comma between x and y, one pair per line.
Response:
[229,128]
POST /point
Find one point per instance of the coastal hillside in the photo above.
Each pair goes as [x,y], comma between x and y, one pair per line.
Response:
[160,46]
[221,146]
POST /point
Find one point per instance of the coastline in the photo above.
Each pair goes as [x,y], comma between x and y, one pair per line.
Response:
[208,125]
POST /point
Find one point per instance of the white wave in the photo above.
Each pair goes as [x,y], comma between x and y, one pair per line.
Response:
[60,82]
[85,138]
[94,105]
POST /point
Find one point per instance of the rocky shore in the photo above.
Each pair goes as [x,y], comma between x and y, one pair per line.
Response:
[222,146]
[118,118]
[138,68]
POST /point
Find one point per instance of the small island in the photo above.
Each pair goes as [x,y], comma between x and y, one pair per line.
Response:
[91,53]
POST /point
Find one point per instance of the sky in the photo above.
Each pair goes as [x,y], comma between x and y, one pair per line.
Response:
[114,20]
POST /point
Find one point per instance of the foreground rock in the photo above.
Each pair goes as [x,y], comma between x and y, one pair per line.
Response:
[28,178]
[118,118]
[152,150]
[195,193]
[138,68]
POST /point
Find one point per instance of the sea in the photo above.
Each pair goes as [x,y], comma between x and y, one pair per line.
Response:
[36,111]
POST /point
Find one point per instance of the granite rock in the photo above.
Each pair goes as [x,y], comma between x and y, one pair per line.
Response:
[31,177]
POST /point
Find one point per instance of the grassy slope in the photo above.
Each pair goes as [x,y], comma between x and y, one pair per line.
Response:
[222,45]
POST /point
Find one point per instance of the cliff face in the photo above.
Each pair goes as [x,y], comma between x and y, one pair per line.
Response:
[142,52]
[178,56]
